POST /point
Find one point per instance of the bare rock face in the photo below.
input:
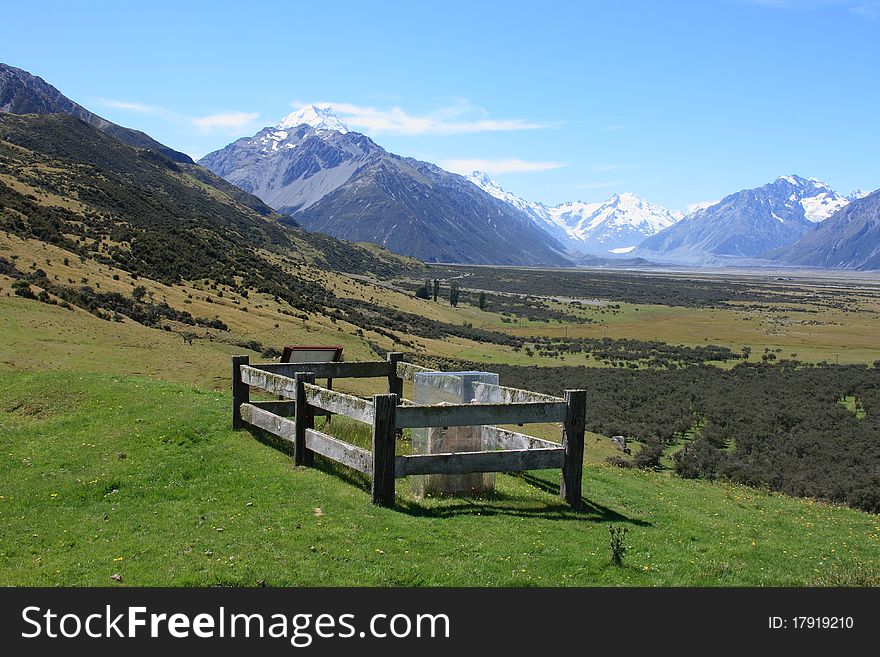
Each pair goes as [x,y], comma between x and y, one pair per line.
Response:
[848,240]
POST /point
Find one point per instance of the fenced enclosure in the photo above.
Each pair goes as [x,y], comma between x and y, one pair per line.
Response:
[388,414]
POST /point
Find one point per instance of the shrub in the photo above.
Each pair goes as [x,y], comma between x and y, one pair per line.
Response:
[618,549]
[698,459]
[619,462]
[23,289]
[648,457]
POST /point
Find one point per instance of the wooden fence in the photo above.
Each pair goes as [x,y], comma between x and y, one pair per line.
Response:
[389,413]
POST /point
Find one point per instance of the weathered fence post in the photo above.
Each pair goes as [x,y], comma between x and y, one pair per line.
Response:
[241,393]
[384,448]
[304,418]
[395,383]
[573,443]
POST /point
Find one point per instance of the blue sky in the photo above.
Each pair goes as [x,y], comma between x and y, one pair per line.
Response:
[678,102]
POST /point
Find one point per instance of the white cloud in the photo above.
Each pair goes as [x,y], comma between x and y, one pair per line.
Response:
[231,122]
[459,118]
[869,10]
[131,107]
[498,166]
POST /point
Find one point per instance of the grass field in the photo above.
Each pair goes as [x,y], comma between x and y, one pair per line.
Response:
[107,475]
[118,458]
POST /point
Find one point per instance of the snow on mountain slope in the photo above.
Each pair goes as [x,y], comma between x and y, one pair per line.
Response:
[746,224]
[623,220]
[848,240]
[611,228]
[537,212]
[320,117]
[818,200]
[484,182]
[292,168]
[693,208]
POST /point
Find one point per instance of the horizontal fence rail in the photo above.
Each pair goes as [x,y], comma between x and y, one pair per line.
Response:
[339,451]
[343,370]
[483,392]
[463,415]
[514,460]
[498,438]
[267,421]
[504,395]
[274,383]
[338,402]
[407,370]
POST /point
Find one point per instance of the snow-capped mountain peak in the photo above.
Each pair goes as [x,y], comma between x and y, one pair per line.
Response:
[620,222]
[537,212]
[482,180]
[818,200]
[320,117]
[491,187]
[694,208]
[288,133]
[614,226]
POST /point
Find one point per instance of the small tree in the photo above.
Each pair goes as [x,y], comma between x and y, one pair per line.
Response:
[649,456]
[618,548]
[436,288]
[453,294]
[23,289]
[422,293]
[139,293]
[482,301]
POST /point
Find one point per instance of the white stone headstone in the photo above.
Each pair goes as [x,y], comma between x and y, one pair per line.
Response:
[452,388]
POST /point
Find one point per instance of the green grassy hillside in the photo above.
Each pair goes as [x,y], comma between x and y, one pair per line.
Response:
[105,475]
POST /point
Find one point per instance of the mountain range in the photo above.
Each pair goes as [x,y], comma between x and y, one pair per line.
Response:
[746,224]
[311,167]
[793,221]
[311,170]
[329,179]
